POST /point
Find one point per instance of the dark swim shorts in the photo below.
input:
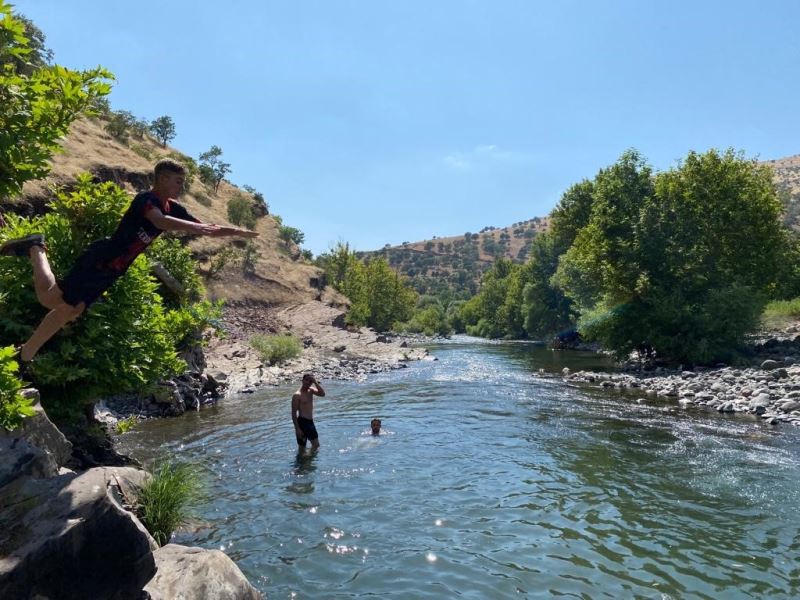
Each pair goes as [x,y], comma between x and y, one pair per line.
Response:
[308,429]
[89,277]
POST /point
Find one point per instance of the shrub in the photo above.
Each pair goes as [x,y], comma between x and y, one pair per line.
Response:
[37,106]
[121,343]
[163,501]
[291,234]
[275,349]
[13,406]
[202,199]
[177,259]
[240,212]
[126,425]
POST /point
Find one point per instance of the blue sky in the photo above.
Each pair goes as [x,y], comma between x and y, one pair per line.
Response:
[380,122]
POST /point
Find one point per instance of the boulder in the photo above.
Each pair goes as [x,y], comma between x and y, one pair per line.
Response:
[768,365]
[69,537]
[186,573]
[36,448]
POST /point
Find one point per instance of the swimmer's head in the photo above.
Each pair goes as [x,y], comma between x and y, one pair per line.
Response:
[375,425]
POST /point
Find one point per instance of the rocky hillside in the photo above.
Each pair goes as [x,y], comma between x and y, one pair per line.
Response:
[280,276]
[456,263]
[787,179]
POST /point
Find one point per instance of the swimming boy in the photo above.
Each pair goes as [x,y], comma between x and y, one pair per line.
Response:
[303,411]
[375,426]
[106,260]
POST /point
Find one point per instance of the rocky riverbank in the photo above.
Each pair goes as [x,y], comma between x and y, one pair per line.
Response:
[768,388]
[229,365]
[73,535]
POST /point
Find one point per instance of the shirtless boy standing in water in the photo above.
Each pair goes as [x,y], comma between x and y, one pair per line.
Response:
[303,411]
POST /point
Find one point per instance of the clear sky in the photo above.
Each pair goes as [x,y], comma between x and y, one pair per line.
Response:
[380,122]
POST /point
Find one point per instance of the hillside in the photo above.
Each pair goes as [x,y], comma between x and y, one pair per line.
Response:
[456,263]
[787,180]
[280,276]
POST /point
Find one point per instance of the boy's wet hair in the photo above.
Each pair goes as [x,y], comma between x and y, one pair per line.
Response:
[168,165]
[308,376]
[375,420]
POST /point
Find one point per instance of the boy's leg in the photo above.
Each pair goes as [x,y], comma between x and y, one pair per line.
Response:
[44,282]
[50,325]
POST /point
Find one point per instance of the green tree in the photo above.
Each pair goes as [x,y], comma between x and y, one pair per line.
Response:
[212,169]
[163,128]
[682,261]
[37,104]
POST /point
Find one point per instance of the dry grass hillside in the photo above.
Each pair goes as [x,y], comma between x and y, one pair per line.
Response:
[787,180]
[280,276]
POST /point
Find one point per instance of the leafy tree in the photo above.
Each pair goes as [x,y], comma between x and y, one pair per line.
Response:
[212,169]
[291,234]
[120,123]
[163,128]
[37,105]
[682,261]
[545,308]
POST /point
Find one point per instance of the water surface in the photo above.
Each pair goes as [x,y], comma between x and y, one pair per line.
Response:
[492,481]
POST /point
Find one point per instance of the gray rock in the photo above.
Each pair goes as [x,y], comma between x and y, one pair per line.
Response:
[768,365]
[789,406]
[188,573]
[70,537]
[36,448]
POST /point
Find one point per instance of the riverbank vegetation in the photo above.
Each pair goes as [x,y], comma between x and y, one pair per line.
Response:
[164,500]
[132,337]
[275,349]
[680,263]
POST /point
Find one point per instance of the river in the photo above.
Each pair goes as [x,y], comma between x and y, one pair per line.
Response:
[492,481]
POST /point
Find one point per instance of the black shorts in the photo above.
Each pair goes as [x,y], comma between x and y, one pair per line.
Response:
[308,429]
[89,277]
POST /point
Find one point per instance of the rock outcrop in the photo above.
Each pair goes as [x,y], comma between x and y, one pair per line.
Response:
[186,573]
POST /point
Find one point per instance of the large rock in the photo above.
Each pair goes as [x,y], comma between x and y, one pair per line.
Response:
[187,573]
[36,448]
[70,537]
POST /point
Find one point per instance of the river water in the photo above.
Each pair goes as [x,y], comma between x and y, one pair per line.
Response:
[491,481]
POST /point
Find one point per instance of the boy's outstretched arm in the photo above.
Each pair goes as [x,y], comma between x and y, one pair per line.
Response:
[167,223]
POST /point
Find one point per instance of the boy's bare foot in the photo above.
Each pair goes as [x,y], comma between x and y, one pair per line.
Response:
[21,246]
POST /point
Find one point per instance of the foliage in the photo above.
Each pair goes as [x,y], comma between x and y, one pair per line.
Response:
[682,261]
[127,424]
[37,105]
[545,308]
[250,256]
[240,212]
[275,349]
[163,128]
[13,405]
[212,169]
[177,259]
[123,342]
[163,501]
[291,234]
[778,312]
[378,296]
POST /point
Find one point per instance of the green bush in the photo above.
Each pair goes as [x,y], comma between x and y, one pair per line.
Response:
[275,349]
[240,212]
[291,234]
[123,342]
[37,105]
[13,406]
[177,259]
[126,425]
[163,501]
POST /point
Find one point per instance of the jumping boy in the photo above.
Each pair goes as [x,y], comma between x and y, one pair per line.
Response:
[303,411]
[106,260]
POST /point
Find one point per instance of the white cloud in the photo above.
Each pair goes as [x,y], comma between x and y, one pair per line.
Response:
[482,153]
